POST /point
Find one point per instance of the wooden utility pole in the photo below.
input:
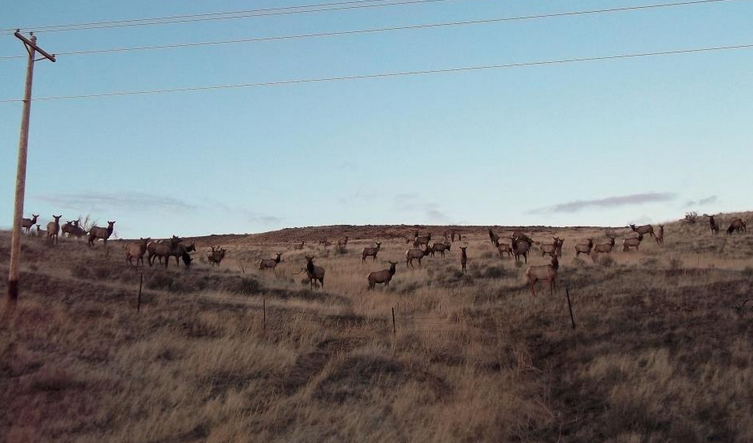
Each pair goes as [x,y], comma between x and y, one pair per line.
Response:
[23,143]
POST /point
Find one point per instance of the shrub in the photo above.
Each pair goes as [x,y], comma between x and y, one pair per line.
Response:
[606,261]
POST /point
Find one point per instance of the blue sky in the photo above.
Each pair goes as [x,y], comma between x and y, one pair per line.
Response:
[598,143]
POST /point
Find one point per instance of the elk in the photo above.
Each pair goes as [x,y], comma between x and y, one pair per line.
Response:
[270,263]
[300,246]
[441,248]
[503,248]
[314,272]
[383,276]
[463,257]
[422,240]
[605,248]
[40,232]
[660,235]
[325,243]
[520,247]
[554,248]
[584,248]
[712,224]
[737,225]
[343,242]
[162,250]
[181,251]
[215,257]
[136,250]
[370,252]
[104,233]
[632,242]
[415,254]
[53,228]
[452,236]
[544,273]
[493,237]
[645,229]
[27,223]
[72,229]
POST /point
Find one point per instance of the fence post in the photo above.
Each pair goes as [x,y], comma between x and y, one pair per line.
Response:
[570,306]
[394,329]
[138,302]
[264,318]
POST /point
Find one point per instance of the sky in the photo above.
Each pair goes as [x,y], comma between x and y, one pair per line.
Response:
[596,143]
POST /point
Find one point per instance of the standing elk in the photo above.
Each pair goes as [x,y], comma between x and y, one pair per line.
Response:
[554,248]
[40,231]
[712,224]
[645,229]
[162,250]
[104,233]
[299,247]
[181,251]
[270,263]
[53,229]
[72,229]
[737,225]
[441,248]
[343,242]
[415,254]
[493,237]
[314,273]
[136,250]
[605,248]
[660,235]
[27,223]
[463,257]
[503,248]
[520,247]
[632,242]
[370,252]
[215,257]
[544,273]
[584,248]
[383,276]
[421,240]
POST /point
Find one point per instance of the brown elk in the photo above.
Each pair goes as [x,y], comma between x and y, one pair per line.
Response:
[632,242]
[40,232]
[712,224]
[72,229]
[136,250]
[554,248]
[463,257]
[421,240]
[584,248]
[343,242]
[660,235]
[270,263]
[605,248]
[503,248]
[27,223]
[737,225]
[371,252]
[104,233]
[441,248]
[326,243]
[520,247]
[216,255]
[415,254]
[299,246]
[544,273]
[645,229]
[181,251]
[315,273]
[53,229]
[493,237]
[162,250]
[383,276]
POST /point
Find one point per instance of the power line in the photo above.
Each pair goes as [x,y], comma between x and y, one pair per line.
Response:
[325,7]
[391,74]
[380,30]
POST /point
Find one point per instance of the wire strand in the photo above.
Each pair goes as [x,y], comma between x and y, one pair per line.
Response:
[230,16]
[390,74]
[381,30]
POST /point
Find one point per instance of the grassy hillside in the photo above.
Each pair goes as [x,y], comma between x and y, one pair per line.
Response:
[663,348]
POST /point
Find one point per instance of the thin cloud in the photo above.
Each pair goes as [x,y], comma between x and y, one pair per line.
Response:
[130,201]
[701,202]
[410,202]
[263,219]
[609,202]
[357,196]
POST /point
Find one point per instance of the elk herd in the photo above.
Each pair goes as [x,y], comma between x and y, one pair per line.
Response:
[518,245]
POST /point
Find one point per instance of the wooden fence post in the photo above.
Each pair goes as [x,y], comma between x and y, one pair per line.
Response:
[570,306]
[394,329]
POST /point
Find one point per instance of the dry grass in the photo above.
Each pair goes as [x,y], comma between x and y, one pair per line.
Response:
[662,350]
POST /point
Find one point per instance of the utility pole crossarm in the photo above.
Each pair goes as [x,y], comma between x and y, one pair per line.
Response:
[33,44]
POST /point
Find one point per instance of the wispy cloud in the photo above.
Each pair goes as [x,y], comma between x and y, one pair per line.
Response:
[357,196]
[701,202]
[130,201]
[609,202]
[263,219]
[410,202]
